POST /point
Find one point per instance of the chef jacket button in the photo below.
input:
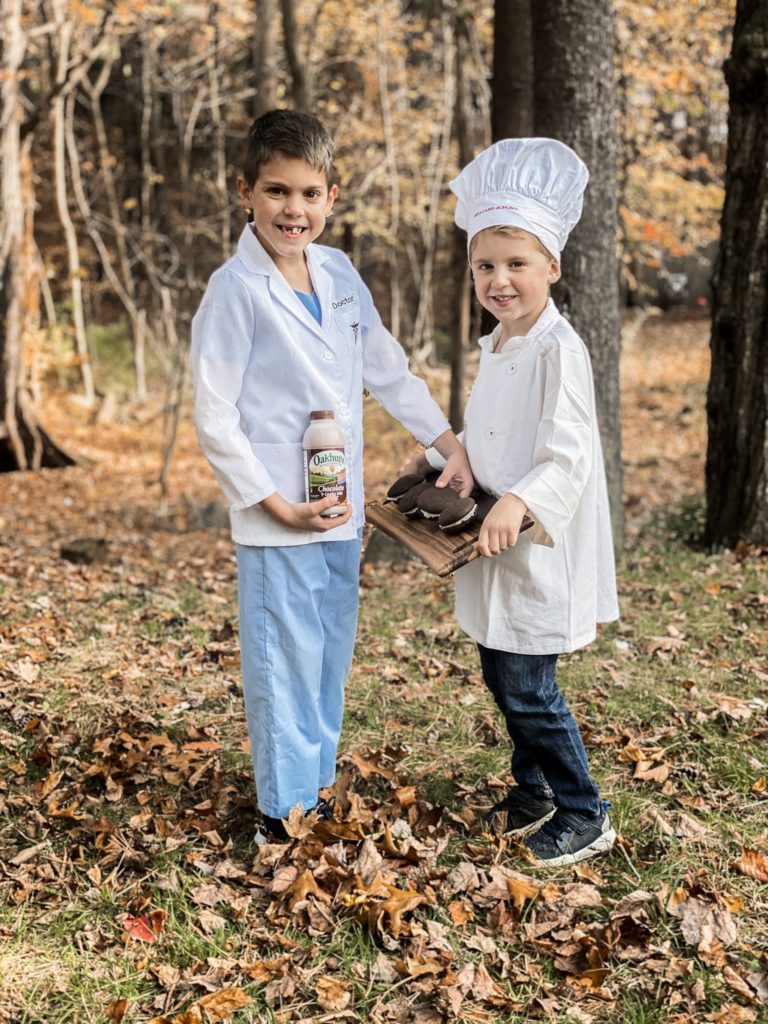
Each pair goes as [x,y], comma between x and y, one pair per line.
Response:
[327,355]
[490,433]
[343,408]
[511,368]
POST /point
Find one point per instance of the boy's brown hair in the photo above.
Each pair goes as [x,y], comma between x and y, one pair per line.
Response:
[288,133]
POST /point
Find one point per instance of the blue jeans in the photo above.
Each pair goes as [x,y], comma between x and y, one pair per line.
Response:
[549,759]
[298,616]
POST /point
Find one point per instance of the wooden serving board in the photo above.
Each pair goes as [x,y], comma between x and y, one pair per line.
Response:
[442,553]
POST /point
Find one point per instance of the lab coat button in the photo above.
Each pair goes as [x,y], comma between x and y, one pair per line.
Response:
[511,369]
[327,355]
[490,433]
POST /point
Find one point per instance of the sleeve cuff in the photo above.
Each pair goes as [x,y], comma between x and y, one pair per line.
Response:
[435,459]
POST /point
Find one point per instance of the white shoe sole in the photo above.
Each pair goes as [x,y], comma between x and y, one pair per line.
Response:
[602,844]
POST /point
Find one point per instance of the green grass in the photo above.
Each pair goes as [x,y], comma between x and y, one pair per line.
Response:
[692,630]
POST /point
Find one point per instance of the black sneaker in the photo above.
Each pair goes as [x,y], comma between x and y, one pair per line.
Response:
[323,809]
[520,813]
[569,837]
[273,830]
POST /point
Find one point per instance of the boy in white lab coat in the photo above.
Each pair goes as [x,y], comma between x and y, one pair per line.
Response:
[287,327]
[532,439]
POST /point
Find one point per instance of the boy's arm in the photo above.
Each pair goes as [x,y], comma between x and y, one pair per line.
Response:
[501,527]
[456,472]
[563,450]
[406,397]
[222,335]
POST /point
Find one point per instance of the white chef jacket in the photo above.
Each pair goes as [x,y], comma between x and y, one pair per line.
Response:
[261,363]
[531,429]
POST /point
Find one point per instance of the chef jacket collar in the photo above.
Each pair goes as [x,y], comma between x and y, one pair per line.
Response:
[548,316]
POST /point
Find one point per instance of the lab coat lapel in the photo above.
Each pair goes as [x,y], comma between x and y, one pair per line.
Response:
[256,258]
[323,284]
[284,296]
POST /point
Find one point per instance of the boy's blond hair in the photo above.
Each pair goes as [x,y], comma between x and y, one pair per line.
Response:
[512,232]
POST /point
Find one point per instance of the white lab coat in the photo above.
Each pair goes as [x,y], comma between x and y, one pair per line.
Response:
[531,429]
[261,363]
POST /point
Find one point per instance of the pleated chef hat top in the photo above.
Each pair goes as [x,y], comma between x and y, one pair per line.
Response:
[534,184]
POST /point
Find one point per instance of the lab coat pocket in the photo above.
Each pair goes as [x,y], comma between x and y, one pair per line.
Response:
[285,464]
[348,322]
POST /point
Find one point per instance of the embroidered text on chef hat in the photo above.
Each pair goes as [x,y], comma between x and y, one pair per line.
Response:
[534,184]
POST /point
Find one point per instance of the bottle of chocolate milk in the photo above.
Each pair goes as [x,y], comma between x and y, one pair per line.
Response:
[324,467]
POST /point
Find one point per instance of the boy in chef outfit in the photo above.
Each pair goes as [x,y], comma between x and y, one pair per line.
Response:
[287,327]
[532,439]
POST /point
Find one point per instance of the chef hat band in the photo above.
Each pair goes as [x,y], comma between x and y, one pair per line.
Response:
[533,184]
[511,210]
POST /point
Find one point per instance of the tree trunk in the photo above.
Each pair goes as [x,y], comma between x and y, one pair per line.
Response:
[390,148]
[423,342]
[23,443]
[301,88]
[737,400]
[264,58]
[459,262]
[573,101]
[511,84]
[58,121]
[215,68]
[512,80]
[118,272]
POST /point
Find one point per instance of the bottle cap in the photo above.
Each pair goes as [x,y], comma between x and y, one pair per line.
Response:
[321,414]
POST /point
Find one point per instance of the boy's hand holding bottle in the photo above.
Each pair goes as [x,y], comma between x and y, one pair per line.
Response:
[305,515]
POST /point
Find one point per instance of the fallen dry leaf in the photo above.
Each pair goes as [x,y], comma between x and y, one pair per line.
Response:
[210,921]
[219,1006]
[704,923]
[735,981]
[521,890]
[759,983]
[332,993]
[734,1014]
[461,912]
[144,928]
[753,864]
[304,885]
[116,1010]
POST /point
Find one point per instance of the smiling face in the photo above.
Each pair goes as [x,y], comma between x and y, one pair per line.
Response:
[290,201]
[512,274]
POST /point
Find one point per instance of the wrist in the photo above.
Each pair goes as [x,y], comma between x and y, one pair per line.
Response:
[513,501]
[277,507]
[447,444]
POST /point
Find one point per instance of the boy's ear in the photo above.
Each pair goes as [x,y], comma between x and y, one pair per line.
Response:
[554,272]
[333,193]
[244,191]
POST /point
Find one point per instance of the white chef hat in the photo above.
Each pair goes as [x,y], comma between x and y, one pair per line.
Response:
[534,184]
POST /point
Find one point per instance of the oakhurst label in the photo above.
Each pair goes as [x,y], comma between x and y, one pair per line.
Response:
[325,473]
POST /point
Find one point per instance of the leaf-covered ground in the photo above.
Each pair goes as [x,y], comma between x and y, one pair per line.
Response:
[130,888]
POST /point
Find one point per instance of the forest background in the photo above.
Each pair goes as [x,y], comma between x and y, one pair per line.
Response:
[140,112]
[130,889]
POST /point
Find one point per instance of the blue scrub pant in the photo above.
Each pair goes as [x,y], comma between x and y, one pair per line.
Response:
[298,617]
